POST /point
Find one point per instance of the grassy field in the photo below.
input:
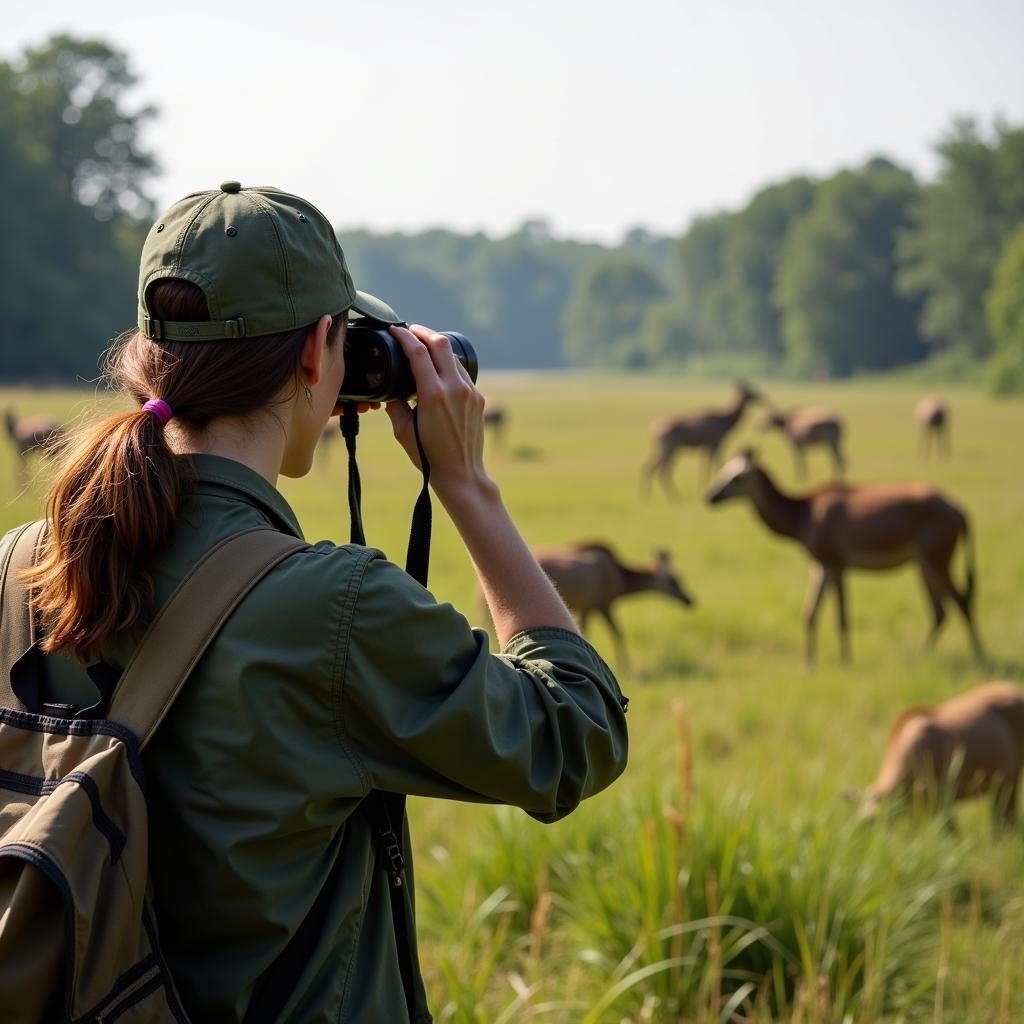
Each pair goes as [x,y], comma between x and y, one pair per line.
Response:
[724,877]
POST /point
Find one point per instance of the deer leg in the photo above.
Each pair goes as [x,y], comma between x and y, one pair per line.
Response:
[620,643]
[937,597]
[965,609]
[665,476]
[940,586]
[844,631]
[661,463]
[947,448]
[815,591]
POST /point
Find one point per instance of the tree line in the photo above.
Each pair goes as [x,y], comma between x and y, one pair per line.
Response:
[866,270]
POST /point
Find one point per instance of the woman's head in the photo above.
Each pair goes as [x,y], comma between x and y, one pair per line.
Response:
[242,296]
[290,378]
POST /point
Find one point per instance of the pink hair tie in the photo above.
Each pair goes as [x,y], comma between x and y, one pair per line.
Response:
[160,409]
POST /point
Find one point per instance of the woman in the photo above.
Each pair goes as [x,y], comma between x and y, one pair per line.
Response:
[338,674]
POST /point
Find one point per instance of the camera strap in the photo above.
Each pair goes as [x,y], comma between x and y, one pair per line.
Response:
[380,808]
[417,556]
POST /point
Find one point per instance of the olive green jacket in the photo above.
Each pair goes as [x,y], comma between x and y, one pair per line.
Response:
[338,674]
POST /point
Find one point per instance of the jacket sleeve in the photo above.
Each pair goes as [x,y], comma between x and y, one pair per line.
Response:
[430,711]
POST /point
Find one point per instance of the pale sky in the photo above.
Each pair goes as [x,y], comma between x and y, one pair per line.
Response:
[597,116]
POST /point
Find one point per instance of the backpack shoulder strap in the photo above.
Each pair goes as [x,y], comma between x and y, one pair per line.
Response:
[185,626]
[16,627]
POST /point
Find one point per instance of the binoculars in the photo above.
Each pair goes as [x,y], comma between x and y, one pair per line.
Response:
[376,369]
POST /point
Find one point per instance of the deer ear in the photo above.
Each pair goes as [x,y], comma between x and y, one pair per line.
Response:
[662,556]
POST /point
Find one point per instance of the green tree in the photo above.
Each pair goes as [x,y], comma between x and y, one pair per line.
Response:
[607,307]
[522,293]
[1004,307]
[960,226]
[666,337]
[840,312]
[704,292]
[507,294]
[751,252]
[71,148]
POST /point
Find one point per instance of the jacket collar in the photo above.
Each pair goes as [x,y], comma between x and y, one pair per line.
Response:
[215,474]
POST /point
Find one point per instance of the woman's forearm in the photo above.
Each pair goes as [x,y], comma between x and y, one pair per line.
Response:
[519,595]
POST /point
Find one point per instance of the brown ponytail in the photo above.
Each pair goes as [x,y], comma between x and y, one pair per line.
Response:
[115,499]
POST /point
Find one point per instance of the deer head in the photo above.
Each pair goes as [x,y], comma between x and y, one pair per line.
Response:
[666,581]
[735,478]
[747,392]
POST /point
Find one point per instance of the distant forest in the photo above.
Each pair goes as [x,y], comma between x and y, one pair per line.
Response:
[868,270]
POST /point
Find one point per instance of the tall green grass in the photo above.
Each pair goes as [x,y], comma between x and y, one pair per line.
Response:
[724,877]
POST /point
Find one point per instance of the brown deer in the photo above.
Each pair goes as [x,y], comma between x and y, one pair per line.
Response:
[968,746]
[496,420]
[31,434]
[590,578]
[705,430]
[806,427]
[876,527]
[932,415]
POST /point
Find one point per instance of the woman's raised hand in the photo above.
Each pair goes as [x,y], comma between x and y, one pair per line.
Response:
[449,413]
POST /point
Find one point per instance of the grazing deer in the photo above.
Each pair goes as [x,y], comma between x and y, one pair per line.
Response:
[33,433]
[968,746]
[705,430]
[878,527]
[932,415]
[496,420]
[806,427]
[591,578]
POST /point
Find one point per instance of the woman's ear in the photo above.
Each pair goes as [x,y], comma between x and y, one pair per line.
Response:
[311,357]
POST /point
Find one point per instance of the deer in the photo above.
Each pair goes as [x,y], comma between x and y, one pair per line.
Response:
[806,427]
[31,434]
[590,578]
[496,420]
[971,745]
[871,527]
[705,430]
[932,415]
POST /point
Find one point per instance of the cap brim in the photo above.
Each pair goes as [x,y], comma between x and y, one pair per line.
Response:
[372,308]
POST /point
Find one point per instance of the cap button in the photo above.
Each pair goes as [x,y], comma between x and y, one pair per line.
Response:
[231,186]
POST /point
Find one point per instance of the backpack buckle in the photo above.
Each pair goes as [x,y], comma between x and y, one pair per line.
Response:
[393,851]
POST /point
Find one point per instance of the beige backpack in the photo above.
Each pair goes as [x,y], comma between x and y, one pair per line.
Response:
[78,942]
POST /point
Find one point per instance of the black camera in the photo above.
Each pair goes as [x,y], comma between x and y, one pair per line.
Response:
[376,369]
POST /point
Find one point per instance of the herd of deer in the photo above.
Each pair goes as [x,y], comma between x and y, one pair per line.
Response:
[841,527]
[969,745]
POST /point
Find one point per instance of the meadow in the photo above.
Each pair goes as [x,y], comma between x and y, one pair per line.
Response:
[724,876]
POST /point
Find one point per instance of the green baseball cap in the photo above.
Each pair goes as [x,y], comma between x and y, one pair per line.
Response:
[266,260]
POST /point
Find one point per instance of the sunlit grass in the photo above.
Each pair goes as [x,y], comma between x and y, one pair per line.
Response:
[740,887]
